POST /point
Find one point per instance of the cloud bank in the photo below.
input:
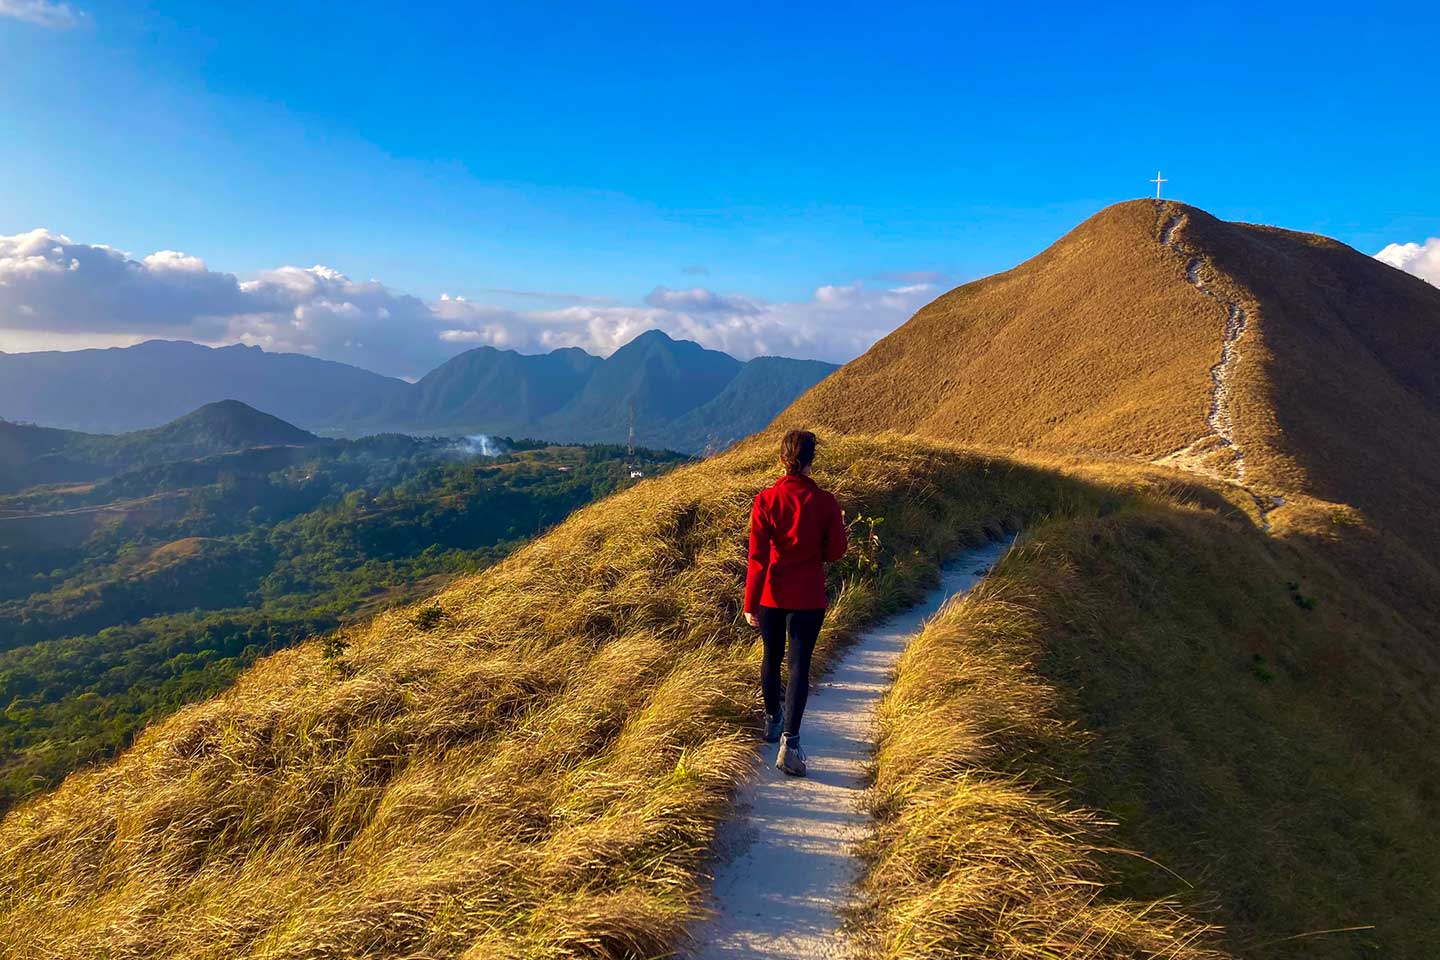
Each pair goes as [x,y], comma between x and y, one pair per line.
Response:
[1421,259]
[42,13]
[52,286]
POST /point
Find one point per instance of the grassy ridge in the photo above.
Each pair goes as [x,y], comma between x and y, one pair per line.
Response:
[534,770]
[1257,735]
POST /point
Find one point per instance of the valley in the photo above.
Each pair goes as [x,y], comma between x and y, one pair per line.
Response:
[155,584]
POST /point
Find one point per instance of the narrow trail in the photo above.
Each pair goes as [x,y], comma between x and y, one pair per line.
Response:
[1216,454]
[1200,455]
[788,865]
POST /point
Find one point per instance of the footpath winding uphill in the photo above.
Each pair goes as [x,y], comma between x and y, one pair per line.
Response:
[788,858]
[1216,453]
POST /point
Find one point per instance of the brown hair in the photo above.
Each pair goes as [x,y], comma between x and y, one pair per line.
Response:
[797,450]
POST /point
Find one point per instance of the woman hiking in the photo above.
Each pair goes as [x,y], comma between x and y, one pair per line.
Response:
[795,529]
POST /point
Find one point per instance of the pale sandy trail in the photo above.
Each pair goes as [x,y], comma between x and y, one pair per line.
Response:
[1199,456]
[787,859]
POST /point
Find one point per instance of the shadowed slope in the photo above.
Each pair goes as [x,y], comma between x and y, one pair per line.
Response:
[1339,380]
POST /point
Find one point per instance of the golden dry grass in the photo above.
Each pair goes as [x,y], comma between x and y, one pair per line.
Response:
[1101,346]
[1099,343]
[971,858]
[1269,764]
[538,774]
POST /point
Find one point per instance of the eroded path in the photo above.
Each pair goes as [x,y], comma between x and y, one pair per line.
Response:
[788,863]
[1216,453]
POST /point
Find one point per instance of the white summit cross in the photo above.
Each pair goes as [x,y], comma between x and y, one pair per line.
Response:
[1157,181]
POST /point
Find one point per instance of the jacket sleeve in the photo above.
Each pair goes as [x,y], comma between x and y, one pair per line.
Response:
[759,558]
[836,542]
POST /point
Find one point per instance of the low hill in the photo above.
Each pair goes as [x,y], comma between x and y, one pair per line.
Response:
[123,389]
[214,428]
[31,455]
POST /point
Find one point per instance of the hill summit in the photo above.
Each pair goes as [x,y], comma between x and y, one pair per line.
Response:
[1286,362]
[227,425]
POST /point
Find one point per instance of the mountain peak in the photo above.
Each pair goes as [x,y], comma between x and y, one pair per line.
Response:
[231,424]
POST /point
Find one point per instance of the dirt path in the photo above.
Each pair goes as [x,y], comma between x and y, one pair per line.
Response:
[1216,454]
[788,865]
[1202,455]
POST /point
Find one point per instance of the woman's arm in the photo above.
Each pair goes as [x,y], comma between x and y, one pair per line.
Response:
[836,543]
[759,558]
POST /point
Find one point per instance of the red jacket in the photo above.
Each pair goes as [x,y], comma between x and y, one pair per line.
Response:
[795,529]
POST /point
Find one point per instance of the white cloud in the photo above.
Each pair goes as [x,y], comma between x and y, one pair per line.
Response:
[42,13]
[699,300]
[54,290]
[1421,259]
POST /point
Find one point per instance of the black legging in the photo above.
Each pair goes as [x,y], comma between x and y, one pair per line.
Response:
[804,628]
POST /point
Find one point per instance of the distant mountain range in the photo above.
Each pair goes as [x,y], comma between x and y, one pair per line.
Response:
[684,396]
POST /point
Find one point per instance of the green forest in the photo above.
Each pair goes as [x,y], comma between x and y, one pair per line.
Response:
[124,599]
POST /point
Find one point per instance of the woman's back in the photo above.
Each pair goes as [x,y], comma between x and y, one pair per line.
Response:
[795,529]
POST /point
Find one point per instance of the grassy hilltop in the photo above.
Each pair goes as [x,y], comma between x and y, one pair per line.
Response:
[1180,720]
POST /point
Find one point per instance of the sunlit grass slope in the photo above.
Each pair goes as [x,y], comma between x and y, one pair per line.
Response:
[1102,345]
[531,766]
[1159,678]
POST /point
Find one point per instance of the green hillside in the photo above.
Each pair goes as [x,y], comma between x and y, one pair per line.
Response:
[186,573]
[31,455]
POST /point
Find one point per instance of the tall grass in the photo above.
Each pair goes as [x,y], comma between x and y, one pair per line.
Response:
[535,771]
[1144,680]
[533,763]
[978,854]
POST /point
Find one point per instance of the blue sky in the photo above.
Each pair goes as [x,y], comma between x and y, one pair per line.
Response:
[661,164]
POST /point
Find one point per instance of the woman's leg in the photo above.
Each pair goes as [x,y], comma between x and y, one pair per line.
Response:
[804,629]
[772,633]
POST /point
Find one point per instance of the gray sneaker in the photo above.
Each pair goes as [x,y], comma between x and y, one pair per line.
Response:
[791,758]
[773,726]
